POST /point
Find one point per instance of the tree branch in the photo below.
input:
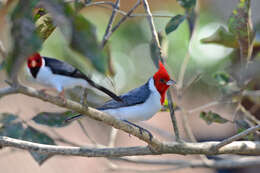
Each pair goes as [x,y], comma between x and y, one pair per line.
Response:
[110,23]
[91,112]
[238,147]
[216,164]
[237,136]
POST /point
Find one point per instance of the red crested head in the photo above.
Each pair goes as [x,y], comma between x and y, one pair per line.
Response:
[34,61]
[162,81]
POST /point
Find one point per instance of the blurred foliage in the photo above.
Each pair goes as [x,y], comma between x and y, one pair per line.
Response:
[53,119]
[33,135]
[12,126]
[79,33]
[240,34]
[173,24]
[187,3]
[222,37]
[23,33]
[211,117]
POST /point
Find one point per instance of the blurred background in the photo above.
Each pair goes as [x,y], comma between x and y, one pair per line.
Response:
[133,66]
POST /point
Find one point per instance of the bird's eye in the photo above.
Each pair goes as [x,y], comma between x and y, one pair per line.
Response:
[162,80]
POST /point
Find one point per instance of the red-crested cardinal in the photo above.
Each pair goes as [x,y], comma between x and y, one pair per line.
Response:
[60,75]
[140,103]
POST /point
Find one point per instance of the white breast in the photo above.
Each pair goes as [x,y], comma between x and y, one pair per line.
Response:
[142,111]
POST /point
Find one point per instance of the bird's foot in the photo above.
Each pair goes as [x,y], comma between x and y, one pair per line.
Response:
[141,130]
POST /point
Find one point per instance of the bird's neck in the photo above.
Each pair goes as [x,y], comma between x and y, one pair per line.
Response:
[161,91]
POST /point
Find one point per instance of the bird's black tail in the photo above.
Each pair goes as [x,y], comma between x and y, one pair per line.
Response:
[103,89]
[75,117]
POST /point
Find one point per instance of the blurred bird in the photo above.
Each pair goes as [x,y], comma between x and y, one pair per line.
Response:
[60,75]
[140,103]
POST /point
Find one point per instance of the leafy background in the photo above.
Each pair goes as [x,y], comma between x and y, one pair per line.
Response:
[130,53]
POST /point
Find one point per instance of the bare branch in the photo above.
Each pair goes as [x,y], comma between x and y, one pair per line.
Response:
[237,136]
[112,6]
[173,118]
[110,23]
[125,17]
[237,147]
[86,133]
[216,164]
[7,91]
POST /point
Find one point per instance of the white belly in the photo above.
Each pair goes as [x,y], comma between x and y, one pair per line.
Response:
[46,77]
[139,112]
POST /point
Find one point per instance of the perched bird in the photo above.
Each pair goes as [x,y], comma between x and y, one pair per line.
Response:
[140,103]
[60,75]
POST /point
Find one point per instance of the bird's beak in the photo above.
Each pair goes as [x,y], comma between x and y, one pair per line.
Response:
[170,82]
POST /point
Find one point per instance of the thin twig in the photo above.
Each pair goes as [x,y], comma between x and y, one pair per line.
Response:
[156,40]
[172,114]
[121,12]
[248,115]
[187,57]
[237,137]
[110,23]
[211,104]
[125,17]
[86,133]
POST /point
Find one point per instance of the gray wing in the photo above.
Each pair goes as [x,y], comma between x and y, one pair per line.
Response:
[133,97]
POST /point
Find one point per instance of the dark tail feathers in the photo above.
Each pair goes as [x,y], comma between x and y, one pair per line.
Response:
[103,89]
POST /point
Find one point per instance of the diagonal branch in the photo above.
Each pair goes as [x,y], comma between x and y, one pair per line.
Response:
[110,23]
[91,112]
[237,137]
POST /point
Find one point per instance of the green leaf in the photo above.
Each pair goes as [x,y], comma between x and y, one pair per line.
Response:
[222,37]
[173,24]
[53,119]
[240,25]
[211,117]
[25,40]
[45,26]
[13,130]
[9,127]
[33,135]
[222,78]
[6,118]
[187,3]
